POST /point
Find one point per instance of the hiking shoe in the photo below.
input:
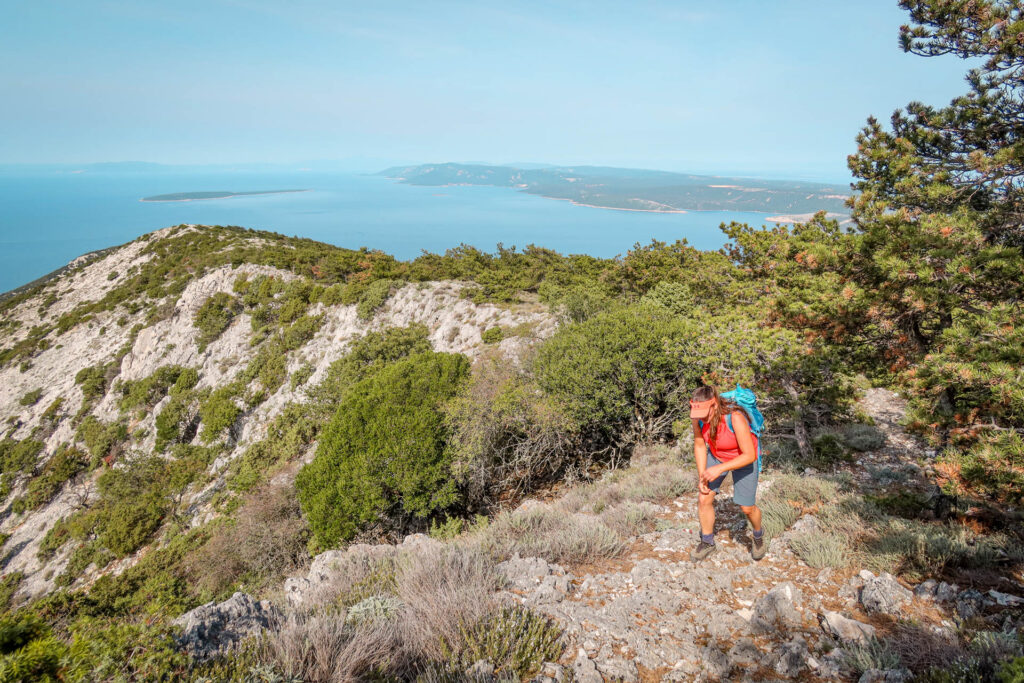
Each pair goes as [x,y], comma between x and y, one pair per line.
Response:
[758,547]
[702,550]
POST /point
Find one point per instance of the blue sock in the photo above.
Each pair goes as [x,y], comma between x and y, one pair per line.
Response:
[759,533]
[708,538]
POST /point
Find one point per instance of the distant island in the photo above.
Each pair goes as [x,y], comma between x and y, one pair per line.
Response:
[199,196]
[640,190]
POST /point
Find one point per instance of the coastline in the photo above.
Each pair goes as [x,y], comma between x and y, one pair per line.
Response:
[233,195]
[780,218]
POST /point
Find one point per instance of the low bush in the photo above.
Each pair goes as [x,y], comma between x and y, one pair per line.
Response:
[614,376]
[861,437]
[630,519]
[374,296]
[265,540]
[179,419]
[507,437]
[288,437]
[492,335]
[101,439]
[828,450]
[654,476]
[93,382]
[992,468]
[151,390]
[19,456]
[384,454]
[822,549]
[871,654]
[789,496]
[918,548]
[65,464]
[214,316]
[515,640]
[30,398]
[218,412]
[551,533]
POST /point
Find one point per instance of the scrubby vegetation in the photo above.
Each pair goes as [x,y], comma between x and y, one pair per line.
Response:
[922,294]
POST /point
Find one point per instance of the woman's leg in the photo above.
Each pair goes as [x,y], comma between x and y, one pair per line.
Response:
[753,513]
[706,512]
[744,482]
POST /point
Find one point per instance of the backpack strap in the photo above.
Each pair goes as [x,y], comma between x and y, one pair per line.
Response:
[728,421]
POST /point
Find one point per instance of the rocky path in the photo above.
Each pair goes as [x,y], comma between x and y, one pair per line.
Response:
[656,615]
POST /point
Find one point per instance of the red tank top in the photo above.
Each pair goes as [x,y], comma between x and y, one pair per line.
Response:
[725,447]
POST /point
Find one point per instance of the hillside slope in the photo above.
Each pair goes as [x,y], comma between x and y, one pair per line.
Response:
[73,375]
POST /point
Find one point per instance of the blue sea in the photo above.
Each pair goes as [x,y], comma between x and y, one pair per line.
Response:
[47,218]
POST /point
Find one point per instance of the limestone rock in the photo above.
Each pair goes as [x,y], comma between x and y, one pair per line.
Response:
[715,662]
[776,610]
[215,628]
[541,582]
[846,630]
[584,670]
[969,603]
[883,594]
[792,658]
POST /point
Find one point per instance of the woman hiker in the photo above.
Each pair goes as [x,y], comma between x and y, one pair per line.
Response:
[719,450]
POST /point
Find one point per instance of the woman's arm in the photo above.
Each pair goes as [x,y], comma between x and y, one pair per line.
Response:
[748,451]
[700,454]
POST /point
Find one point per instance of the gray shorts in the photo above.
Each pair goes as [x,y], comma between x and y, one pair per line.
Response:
[744,482]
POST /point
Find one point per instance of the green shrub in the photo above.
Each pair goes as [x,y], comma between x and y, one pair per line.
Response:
[492,335]
[861,437]
[112,649]
[828,450]
[93,381]
[288,437]
[908,504]
[218,412]
[1012,671]
[614,374]
[31,397]
[374,296]
[65,464]
[991,468]
[101,439]
[214,316]
[151,390]
[176,422]
[301,376]
[19,456]
[515,640]
[28,650]
[8,586]
[578,302]
[675,297]
[366,356]
[385,449]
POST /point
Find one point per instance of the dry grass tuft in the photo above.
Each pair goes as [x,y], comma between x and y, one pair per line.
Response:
[266,541]
[551,533]
[655,475]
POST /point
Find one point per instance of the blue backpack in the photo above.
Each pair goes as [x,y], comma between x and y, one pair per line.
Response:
[747,400]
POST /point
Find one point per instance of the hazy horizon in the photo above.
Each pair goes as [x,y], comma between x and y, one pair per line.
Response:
[758,89]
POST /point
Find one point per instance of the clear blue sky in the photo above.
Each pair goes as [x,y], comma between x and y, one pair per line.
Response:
[744,87]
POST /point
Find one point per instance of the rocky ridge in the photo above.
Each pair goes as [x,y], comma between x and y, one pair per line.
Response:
[454,324]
